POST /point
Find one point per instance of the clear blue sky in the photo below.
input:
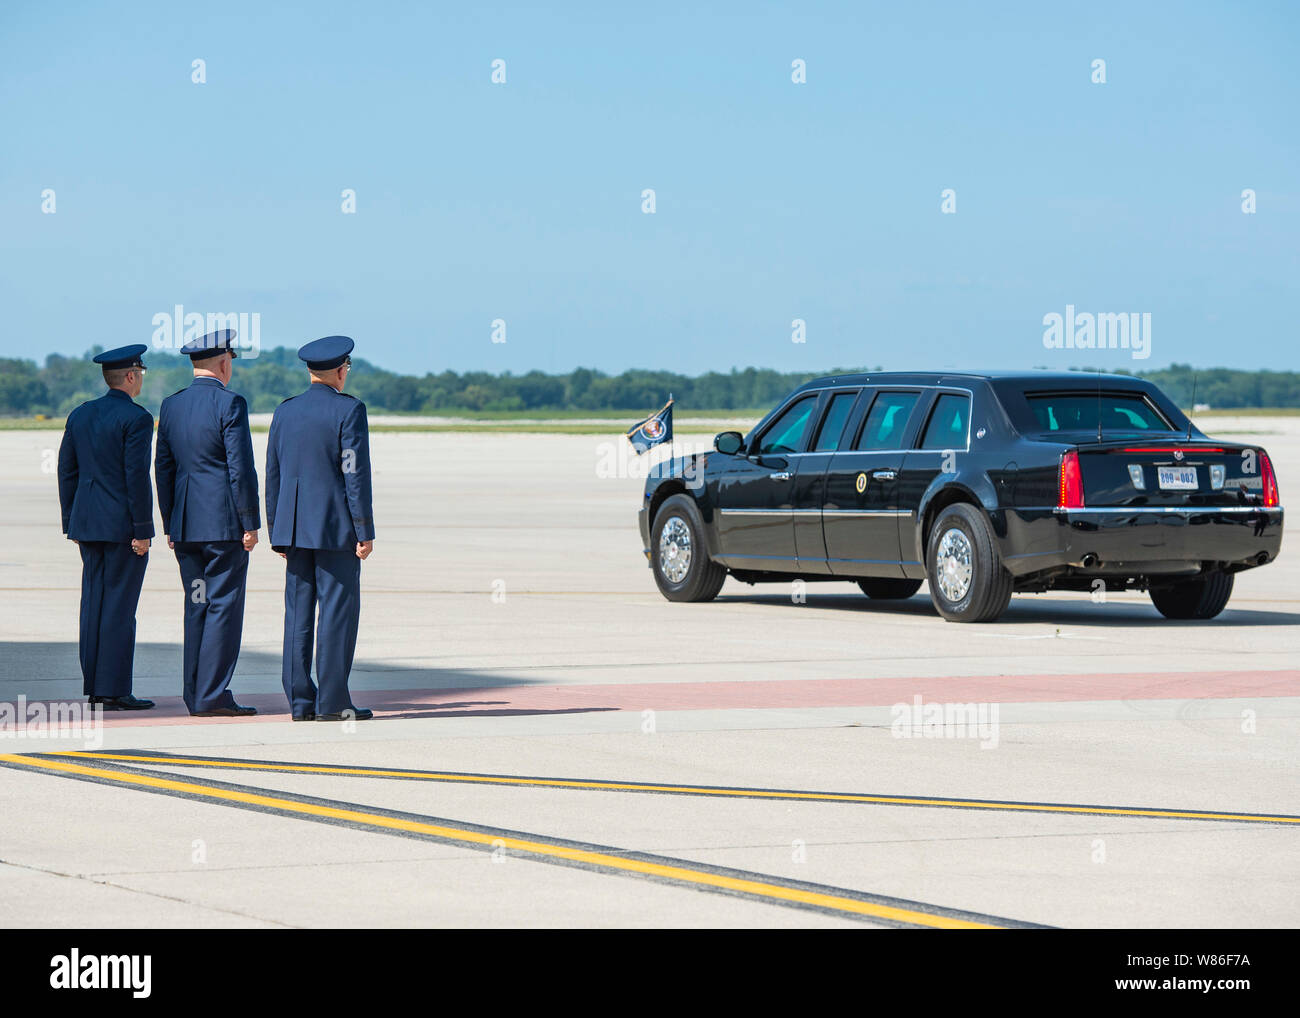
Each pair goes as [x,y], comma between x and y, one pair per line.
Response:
[775,201]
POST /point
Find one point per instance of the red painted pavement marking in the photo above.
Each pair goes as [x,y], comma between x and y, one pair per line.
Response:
[762,694]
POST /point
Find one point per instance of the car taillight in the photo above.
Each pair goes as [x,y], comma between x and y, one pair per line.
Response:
[1071,487]
[1270,481]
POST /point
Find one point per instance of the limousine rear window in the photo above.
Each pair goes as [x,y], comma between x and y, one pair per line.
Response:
[1079,410]
[948,423]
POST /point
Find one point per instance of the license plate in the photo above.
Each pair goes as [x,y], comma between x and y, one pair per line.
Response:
[1178,478]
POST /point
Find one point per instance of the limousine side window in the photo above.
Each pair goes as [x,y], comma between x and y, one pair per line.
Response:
[887,421]
[785,435]
[948,423]
[828,439]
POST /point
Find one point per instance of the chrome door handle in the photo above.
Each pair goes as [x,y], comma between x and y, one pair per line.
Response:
[884,475]
[784,475]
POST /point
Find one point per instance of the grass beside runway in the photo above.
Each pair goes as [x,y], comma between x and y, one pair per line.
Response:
[842,902]
[542,422]
[614,429]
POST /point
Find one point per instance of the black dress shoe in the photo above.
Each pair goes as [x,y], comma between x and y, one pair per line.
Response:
[355,714]
[233,711]
[127,702]
[304,717]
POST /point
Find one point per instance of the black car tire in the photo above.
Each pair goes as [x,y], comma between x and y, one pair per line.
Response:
[989,590]
[884,588]
[704,577]
[1201,598]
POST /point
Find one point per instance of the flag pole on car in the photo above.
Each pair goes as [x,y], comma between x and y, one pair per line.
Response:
[654,430]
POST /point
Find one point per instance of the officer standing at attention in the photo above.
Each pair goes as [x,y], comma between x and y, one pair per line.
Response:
[108,511]
[207,494]
[319,517]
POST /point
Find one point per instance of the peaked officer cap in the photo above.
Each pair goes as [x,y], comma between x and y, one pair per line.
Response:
[122,357]
[323,354]
[211,345]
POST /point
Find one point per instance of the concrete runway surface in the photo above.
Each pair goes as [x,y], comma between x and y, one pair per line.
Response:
[556,745]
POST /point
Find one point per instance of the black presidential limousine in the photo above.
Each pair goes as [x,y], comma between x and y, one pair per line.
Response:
[982,484]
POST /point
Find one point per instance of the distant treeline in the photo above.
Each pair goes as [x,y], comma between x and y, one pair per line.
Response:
[1227,388]
[63,382]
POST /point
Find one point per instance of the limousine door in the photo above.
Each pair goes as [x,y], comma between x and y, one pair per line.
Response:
[860,512]
[945,437]
[840,413]
[756,492]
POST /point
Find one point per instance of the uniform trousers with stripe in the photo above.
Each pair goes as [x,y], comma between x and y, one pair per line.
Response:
[329,580]
[215,575]
[111,577]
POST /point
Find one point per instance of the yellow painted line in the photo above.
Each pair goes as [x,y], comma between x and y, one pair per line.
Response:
[682,874]
[624,786]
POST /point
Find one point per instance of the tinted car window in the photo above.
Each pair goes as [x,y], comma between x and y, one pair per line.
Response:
[887,421]
[1078,411]
[948,423]
[786,434]
[828,439]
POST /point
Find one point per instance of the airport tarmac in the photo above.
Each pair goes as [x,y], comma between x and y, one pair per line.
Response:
[556,745]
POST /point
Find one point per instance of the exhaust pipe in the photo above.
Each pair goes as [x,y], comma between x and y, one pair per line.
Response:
[1261,558]
[1091,560]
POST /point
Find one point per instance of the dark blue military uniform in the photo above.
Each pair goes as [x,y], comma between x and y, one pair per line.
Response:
[318,507]
[106,502]
[207,494]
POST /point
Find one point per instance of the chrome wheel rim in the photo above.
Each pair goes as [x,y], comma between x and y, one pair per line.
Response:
[675,550]
[953,565]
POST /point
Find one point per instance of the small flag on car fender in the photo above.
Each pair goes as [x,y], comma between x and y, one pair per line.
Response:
[654,429]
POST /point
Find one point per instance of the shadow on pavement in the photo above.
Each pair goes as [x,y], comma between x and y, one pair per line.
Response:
[1023,609]
[50,671]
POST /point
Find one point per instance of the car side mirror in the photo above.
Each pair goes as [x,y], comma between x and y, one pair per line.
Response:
[729,442]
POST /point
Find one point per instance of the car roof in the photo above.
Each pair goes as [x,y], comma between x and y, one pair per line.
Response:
[1065,379]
